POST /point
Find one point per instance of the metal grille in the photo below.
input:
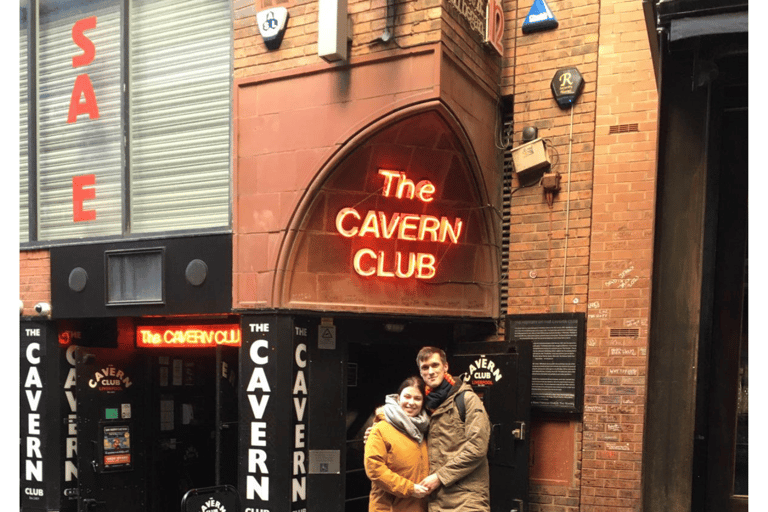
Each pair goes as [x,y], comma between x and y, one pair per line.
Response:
[622,128]
[87,146]
[23,133]
[180,114]
[507,120]
[625,333]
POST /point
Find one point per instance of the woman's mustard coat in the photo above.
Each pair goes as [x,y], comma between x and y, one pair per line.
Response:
[394,462]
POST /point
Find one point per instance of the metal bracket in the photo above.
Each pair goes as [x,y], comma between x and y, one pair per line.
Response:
[519,432]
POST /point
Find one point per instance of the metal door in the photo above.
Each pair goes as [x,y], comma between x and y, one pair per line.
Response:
[500,373]
[110,437]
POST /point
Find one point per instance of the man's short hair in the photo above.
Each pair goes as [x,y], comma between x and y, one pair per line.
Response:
[426,352]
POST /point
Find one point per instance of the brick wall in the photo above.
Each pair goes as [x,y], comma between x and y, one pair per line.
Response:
[539,234]
[34,279]
[417,22]
[621,258]
[607,227]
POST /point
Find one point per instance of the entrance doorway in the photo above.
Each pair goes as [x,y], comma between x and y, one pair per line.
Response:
[381,354]
[153,424]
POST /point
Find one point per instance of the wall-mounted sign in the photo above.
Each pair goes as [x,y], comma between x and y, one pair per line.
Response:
[558,341]
[566,86]
[393,225]
[483,371]
[539,18]
[188,336]
[272,24]
[110,379]
[494,26]
[472,12]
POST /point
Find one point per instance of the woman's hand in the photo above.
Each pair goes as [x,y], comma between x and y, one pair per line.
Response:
[419,491]
[431,482]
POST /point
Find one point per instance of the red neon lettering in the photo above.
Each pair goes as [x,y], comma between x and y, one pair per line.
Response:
[370,225]
[426,266]
[388,177]
[358,262]
[80,194]
[82,87]
[411,265]
[420,265]
[429,225]
[81,40]
[189,336]
[424,190]
[405,187]
[388,229]
[340,222]
[452,231]
[400,225]
[408,223]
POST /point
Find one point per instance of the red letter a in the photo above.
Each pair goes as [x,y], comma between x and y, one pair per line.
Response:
[82,87]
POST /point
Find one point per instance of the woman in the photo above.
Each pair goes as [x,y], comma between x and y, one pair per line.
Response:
[396,451]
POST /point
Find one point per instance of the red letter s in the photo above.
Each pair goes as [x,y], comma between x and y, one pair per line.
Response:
[81,40]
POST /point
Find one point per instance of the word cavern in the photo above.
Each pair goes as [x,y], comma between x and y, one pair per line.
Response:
[384,225]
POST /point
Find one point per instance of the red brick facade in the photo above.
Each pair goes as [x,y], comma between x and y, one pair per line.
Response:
[34,279]
[607,193]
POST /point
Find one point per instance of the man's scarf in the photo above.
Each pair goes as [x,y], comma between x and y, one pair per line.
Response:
[437,396]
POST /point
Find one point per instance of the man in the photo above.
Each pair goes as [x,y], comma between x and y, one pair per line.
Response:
[458,465]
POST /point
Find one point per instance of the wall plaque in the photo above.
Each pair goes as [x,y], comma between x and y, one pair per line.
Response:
[557,383]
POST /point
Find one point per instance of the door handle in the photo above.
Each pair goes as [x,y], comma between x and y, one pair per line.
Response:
[519,432]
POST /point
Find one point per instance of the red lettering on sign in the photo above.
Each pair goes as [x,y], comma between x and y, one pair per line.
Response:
[81,40]
[82,87]
[80,194]
[192,336]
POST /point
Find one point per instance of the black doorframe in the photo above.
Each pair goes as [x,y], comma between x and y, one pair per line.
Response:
[698,281]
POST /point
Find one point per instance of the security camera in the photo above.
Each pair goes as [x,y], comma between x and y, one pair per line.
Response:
[43,308]
[21,307]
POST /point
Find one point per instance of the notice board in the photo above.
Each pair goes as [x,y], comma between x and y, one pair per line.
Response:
[558,341]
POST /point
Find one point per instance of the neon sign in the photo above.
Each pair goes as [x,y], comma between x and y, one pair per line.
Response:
[189,336]
[351,223]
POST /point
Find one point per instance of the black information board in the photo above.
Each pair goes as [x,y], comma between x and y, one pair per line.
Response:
[557,383]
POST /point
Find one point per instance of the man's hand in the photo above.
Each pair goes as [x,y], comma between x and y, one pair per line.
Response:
[367,433]
[431,482]
[419,491]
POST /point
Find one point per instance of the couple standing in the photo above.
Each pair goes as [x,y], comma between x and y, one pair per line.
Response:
[422,453]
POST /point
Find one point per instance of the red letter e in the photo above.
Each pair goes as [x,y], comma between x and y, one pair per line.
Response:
[80,194]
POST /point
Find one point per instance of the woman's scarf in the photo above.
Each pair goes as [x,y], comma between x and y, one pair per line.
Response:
[436,396]
[414,426]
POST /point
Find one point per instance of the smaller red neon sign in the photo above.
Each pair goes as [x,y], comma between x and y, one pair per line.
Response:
[188,336]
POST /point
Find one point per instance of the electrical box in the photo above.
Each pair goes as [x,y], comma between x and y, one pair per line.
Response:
[530,159]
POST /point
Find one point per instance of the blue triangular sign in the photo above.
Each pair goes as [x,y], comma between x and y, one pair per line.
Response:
[540,17]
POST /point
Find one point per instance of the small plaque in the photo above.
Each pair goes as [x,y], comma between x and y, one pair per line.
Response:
[324,462]
[326,337]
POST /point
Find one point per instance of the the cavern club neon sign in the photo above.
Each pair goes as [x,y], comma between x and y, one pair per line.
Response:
[377,224]
[188,336]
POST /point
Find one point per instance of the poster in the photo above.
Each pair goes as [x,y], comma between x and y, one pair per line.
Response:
[117,447]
